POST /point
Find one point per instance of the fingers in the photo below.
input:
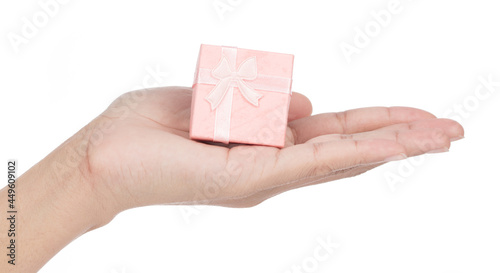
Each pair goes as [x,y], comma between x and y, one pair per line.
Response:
[452,128]
[300,107]
[414,136]
[329,155]
[274,169]
[354,121]
[415,141]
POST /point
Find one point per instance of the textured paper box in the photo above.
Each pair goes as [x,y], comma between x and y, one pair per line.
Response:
[241,96]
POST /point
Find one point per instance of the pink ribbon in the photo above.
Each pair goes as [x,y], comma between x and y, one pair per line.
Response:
[246,78]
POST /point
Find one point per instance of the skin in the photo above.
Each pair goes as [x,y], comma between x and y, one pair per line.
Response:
[138,153]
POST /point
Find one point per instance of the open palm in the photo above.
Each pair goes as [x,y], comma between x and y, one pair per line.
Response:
[144,155]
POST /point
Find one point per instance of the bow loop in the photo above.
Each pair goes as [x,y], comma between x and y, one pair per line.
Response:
[248,69]
[222,70]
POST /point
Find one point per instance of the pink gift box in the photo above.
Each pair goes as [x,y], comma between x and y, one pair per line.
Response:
[241,96]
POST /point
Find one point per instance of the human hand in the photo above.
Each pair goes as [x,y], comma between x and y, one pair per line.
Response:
[139,152]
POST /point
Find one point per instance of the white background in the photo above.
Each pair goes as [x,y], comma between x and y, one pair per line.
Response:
[438,213]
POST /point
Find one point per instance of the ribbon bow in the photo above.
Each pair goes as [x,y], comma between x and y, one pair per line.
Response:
[226,76]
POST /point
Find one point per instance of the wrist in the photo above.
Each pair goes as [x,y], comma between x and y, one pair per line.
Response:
[68,167]
[56,202]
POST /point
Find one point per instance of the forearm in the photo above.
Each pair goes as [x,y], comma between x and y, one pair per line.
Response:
[55,204]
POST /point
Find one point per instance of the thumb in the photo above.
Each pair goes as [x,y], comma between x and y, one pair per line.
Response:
[300,107]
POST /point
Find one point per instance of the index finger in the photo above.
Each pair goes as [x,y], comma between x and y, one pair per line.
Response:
[353,121]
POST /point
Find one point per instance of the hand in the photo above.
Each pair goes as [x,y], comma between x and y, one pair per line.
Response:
[139,151]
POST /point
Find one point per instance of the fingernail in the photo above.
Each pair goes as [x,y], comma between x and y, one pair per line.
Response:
[456,138]
[441,150]
[397,157]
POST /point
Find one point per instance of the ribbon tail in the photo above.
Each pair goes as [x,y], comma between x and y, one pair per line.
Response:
[249,93]
[217,94]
